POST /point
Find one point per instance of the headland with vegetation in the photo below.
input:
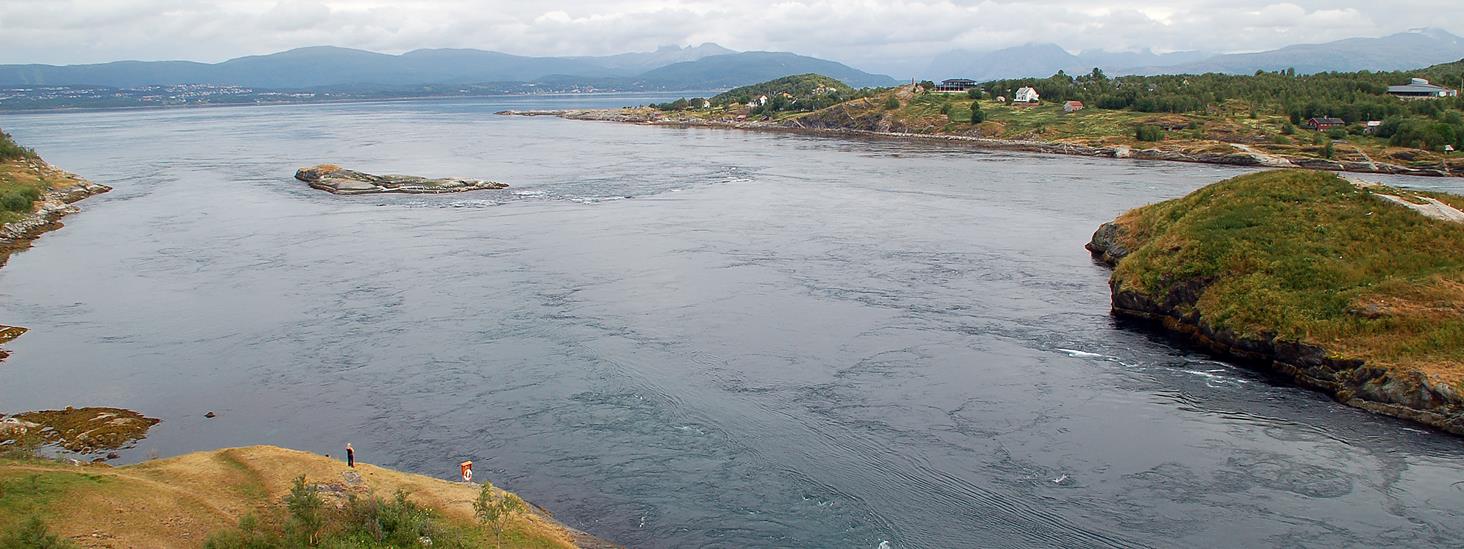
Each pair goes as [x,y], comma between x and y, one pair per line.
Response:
[1352,288]
[1254,120]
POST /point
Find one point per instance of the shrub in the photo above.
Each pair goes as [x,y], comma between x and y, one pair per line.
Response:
[977,115]
[34,535]
[307,514]
[18,198]
[1147,132]
[1337,133]
[892,103]
[494,510]
[1288,129]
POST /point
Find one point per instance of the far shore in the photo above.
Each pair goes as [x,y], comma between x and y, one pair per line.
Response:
[1241,156]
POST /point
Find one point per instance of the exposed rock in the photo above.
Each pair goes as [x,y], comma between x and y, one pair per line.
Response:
[210,414]
[80,430]
[331,178]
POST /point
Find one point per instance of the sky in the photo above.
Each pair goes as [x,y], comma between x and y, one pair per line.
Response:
[891,36]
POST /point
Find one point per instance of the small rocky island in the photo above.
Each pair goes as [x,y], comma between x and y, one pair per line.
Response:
[1352,288]
[337,180]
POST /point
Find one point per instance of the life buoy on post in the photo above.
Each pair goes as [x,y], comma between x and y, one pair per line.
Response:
[467,470]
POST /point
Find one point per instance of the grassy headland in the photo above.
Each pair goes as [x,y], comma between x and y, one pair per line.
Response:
[1319,276]
[251,497]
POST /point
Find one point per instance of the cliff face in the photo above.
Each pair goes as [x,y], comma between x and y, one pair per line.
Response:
[1329,353]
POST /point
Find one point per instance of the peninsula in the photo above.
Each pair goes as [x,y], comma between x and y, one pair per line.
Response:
[1352,288]
[1279,120]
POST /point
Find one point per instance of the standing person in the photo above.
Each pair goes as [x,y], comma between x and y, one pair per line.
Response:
[350,456]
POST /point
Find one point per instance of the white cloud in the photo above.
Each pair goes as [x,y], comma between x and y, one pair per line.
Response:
[888,35]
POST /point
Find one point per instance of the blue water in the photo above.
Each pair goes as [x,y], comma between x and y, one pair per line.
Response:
[685,337]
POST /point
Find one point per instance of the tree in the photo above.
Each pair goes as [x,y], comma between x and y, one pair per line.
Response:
[494,509]
[306,512]
[977,115]
[928,85]
[974,93]
[1327,151]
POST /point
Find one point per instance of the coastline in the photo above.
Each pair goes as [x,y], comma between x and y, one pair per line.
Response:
[1241,156]
[46,216]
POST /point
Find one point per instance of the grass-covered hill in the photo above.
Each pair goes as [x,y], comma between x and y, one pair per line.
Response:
[1340,287]
[247,498]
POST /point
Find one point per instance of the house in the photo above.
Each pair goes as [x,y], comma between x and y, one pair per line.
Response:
[1324,123]
[955,85]
[1072,106]
[1418,88]
[1026,95]
[1371,126]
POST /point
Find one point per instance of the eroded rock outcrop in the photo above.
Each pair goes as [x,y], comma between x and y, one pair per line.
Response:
[337,180]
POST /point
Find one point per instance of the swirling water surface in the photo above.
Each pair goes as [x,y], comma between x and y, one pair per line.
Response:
[685,337]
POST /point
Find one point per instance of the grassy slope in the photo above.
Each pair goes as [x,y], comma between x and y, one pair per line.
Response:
[1307,256]
[179,501]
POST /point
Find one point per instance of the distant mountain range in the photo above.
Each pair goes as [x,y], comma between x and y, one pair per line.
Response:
[1406,50]
[1042,60]
[701,67]
[707,66]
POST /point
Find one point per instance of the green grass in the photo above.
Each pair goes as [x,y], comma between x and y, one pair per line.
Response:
[1298,254]
[33,494]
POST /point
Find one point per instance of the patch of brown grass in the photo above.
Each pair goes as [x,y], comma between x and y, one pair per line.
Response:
[179,501]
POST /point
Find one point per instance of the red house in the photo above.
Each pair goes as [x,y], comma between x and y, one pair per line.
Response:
[1324,123]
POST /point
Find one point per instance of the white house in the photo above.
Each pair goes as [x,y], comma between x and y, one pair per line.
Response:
[1026,95]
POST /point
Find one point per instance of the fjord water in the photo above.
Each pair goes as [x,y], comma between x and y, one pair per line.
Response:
[685,337]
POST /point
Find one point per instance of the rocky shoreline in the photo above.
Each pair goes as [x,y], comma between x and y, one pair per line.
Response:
[1241,156]
[337,180]
[1406,395]
[53,205]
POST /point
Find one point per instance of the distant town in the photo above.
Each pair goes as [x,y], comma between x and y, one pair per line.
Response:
[29,98]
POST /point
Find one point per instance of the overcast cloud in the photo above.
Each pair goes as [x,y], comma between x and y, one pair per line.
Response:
[892,36]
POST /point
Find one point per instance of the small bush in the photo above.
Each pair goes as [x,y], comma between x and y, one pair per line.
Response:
[1288,129]
[1147,132]
[1337,133]
[33,535]
[18,198]
[977,115]
[892,103]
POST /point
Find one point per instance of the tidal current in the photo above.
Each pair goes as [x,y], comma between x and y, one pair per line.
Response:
[685,337]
